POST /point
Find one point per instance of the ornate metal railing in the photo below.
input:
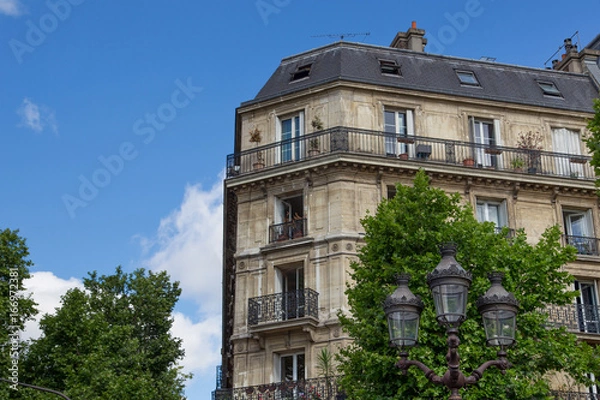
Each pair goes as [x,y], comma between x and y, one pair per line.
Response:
[283,306]
[287,230]
[306,389]
[417,148]
[583,244]
[563,395]
[575,317]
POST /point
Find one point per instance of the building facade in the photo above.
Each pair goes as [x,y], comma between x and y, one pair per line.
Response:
[331,133]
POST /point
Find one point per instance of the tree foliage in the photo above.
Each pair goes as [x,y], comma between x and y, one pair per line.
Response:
[110,340]
[15,307]
[593,141]
[403,237]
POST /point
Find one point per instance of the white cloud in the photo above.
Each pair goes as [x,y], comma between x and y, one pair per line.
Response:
[46,289]
[188,245]
[201,340]
[11,8]
[36,117]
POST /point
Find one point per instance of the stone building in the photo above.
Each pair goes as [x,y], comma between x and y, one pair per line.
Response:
[334,129]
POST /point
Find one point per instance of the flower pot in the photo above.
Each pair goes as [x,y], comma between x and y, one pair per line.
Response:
[468,162]
[258,165]
[403,156]
[313,152]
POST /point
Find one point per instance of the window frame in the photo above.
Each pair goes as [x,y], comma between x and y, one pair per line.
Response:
[302,72]
[502,211]
[400,139]
[294,143]
[390,67]
[467,78]
[550,89]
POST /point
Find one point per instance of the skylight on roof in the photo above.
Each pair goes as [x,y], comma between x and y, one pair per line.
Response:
[389,67]
[302,72]
[550,89]
[467,78]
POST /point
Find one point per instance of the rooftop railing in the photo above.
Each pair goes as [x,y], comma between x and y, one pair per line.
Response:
[406,147]
[283,306]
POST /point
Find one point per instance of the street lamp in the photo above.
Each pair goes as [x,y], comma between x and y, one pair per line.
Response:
[449,284]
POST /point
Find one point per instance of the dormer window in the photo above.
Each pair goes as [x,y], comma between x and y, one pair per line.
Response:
[549,89]
[389,67]
[301,72]
[467,78]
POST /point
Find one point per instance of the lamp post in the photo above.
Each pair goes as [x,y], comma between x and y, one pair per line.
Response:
[449,284]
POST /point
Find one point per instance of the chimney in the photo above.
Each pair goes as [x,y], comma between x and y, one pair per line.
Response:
[571,60]
[413,39]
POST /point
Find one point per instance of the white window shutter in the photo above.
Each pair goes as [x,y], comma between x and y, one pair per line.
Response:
[497,134]
[410,123]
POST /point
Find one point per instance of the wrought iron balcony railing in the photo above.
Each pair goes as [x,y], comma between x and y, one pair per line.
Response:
[287,230]
[583,244]
[306,389]
[575,317]
[417,148]
[283,306]
[563,395]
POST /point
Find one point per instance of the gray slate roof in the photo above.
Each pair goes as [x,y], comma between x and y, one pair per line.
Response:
[355,62]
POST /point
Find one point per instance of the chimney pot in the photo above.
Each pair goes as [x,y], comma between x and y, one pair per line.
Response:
[414,25]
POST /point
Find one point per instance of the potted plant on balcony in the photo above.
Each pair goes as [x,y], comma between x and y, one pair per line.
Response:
[531,144]
[313,147]
[317,124]
[256,137]
[517,164]
[469,162]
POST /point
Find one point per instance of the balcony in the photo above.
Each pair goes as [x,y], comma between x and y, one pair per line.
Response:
[287,230]
[318,388]
[575,317]
[415,148]
[287,306]
[584,245]
[562,395]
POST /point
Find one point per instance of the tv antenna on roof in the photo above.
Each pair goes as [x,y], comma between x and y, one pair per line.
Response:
[342,35]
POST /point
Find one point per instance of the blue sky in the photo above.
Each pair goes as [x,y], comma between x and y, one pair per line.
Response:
[116,119]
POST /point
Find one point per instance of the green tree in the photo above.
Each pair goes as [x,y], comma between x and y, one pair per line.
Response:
[593,141]
[403,237]
[111,340]
[15,307]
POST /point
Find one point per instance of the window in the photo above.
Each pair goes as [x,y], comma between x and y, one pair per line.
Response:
[291,367]
[389,67]
[579,231]
[289,219]
[587,306]
[492,211]
[289,131]
[301,72]
[399,132]
[290,283]
[549,89]
[567,141]
[391,191]
[467,78]
[486,135]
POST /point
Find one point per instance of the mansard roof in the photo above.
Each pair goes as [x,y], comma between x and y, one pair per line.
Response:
[360,63]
